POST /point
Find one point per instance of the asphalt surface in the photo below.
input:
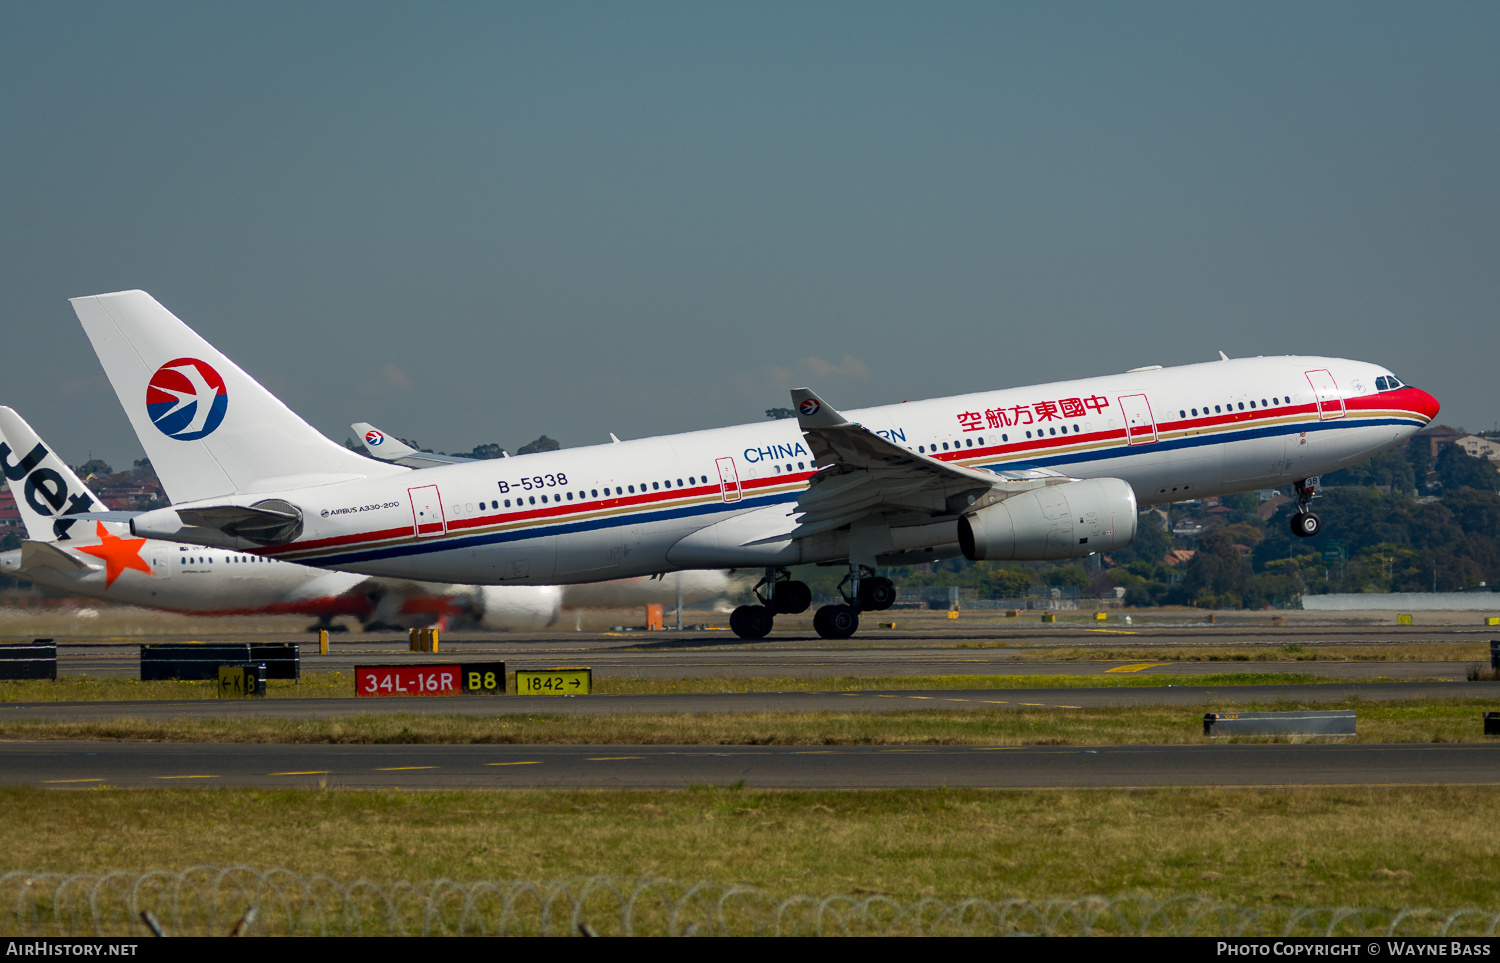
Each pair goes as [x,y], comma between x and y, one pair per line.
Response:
[935,647]
[84,765]
[1016,648]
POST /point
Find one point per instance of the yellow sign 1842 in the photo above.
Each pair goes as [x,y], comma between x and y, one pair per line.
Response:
[568,681]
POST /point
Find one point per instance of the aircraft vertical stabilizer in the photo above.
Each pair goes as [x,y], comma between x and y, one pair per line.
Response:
[46,489]
[209,428]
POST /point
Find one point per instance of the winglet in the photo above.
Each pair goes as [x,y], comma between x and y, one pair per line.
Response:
[814,412]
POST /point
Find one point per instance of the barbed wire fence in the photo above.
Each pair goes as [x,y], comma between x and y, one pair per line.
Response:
[241,900]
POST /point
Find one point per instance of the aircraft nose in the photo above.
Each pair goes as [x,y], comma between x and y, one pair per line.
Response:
[1425,403]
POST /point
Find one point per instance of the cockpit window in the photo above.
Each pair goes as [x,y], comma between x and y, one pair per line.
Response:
[1387,383]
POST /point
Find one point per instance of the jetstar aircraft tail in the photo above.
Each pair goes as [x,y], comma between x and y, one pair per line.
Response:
[209,428]
[46,490]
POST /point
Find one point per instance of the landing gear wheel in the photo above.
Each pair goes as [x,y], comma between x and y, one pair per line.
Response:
[1306,525]
[751,621]
[876,594]
[836,621]
[792,598]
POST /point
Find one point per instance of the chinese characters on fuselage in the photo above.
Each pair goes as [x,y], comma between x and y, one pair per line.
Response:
[1031,414]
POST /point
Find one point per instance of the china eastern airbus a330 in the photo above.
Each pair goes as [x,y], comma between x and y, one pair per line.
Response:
[1043,472]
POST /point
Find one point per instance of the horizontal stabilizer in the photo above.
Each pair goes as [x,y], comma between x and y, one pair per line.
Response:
[389,448]
[47,555]
[271,522]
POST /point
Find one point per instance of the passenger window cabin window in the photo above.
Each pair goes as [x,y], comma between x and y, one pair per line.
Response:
[570,496]
[969,442]
[632,489]
[1005,437]
[1242,406]
[1217,409]
[533,499]
[507,503]
[655,486]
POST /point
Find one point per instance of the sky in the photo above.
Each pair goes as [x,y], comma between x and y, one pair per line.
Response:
[474,223]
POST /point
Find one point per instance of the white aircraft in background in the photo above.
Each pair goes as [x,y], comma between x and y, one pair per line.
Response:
[1045,472]
[98,559]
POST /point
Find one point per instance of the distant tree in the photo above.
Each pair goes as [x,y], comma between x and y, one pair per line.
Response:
[1067,575]
[94,466]
[1457,468]
[780,413]
[541,444]
[1217,569]
[486,452]
[1150,544]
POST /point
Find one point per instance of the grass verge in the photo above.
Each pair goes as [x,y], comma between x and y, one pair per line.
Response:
[1362,847]
[1417,721]
[338,684]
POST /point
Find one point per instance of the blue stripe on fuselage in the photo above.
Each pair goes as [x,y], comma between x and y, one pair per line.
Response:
[430,546]
[1178,444]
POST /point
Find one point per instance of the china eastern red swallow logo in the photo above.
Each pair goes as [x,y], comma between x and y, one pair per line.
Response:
[186,399]
[809,407]
[374,437]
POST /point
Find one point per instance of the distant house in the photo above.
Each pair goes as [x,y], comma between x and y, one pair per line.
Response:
[1268,507]
[1179,556]
[1480,447]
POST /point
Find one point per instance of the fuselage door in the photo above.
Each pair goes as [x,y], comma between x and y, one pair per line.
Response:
[1140,427]
[729,479]
[427,511]
[1330,401]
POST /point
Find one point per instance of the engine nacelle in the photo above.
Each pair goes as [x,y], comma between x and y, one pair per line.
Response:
[1061,521]
[520,608]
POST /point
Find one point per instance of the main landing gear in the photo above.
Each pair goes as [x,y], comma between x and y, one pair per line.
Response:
[778,595]
[862,590]
[1304,523]
[865,591]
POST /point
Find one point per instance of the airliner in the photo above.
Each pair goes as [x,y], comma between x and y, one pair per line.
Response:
[71,548]
[1048,471]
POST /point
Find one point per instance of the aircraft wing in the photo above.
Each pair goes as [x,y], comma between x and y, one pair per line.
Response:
[386,447]
[862,474]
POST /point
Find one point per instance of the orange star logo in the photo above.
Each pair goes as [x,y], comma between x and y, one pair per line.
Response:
[118,554]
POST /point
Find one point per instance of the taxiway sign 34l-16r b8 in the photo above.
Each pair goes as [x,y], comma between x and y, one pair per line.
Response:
[1043,472]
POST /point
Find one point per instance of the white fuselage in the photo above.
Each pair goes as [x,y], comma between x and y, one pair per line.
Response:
[719,498]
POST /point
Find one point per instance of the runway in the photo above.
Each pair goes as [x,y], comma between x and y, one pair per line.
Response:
[1015,649]
[87,765]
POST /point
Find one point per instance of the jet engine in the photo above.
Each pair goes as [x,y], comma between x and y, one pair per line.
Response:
[520,608]
[1060,521]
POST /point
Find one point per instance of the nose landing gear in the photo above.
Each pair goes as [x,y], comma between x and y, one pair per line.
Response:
[1305,524]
